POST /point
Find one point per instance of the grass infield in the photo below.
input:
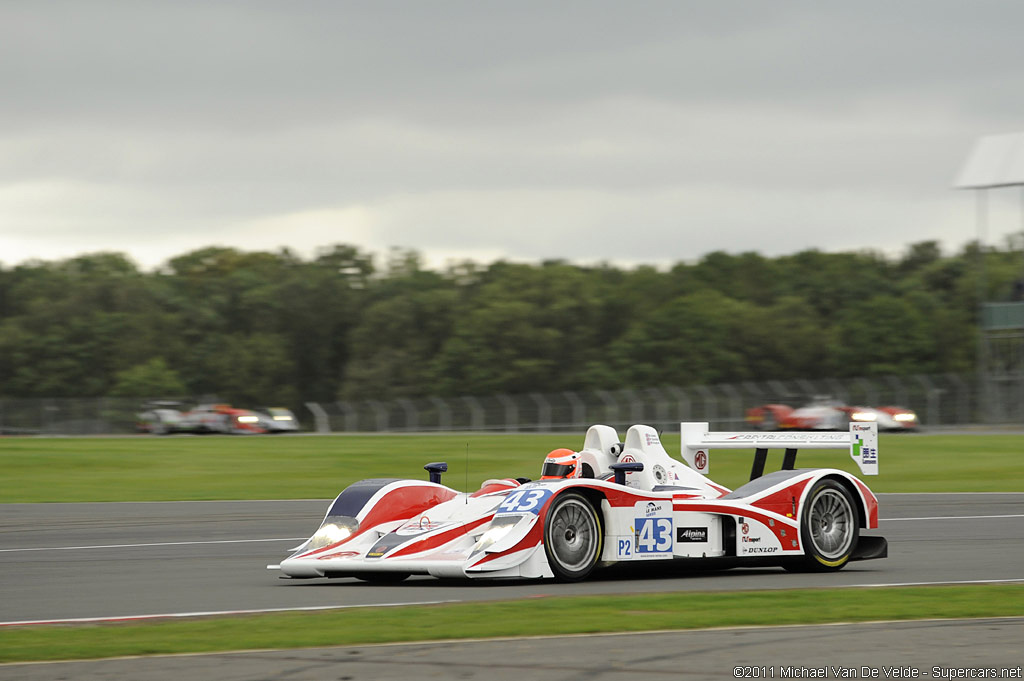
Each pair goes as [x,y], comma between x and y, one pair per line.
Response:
[286,467]
[530,617]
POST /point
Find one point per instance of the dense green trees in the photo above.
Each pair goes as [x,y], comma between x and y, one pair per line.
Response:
[275,328]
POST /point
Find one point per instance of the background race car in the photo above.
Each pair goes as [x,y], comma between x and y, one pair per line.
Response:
[159,417]
[221,418]
[826,414]
[277,420]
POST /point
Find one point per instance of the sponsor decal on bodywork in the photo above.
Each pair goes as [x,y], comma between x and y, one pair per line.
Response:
[692,534]
[756,538]
[864,448]
[700,460]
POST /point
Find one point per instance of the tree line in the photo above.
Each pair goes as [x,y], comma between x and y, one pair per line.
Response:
[274,328]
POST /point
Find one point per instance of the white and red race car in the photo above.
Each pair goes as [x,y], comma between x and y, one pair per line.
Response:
[824,414]
[609,503]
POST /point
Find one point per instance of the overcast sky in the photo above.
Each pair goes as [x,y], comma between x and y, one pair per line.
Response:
[632,132]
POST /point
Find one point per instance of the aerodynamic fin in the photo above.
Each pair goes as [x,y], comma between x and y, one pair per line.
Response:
[697,441]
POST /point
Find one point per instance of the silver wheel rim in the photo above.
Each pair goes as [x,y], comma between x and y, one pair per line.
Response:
[831,522]
[573,535]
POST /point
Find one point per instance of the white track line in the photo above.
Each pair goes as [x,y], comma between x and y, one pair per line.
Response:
[954,517]
[211,613]
[315,608]
[248,541]
[167,543]
[939,583]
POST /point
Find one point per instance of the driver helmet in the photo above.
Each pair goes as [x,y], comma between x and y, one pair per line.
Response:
[561,463]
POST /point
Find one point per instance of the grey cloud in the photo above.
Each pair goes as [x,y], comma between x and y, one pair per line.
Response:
[792,117]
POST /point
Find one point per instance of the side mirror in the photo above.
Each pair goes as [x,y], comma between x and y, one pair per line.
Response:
[435,470]
[622,468]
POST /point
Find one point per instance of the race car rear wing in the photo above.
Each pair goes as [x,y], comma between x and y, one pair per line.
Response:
[862,441]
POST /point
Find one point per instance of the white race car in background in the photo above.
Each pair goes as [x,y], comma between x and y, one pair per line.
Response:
[221,418]
[159,418]
[826,414]
[277,420]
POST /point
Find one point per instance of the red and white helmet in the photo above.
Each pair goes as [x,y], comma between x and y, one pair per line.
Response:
[561,463]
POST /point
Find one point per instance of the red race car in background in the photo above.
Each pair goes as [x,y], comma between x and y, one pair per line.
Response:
[220,418]
[825,414]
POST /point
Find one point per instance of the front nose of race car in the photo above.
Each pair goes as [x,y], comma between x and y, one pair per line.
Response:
[334,531]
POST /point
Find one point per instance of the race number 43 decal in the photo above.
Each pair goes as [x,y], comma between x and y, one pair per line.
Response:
[525,501]
[653,535]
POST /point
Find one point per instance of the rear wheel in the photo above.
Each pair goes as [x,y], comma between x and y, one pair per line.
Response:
[829,527]
[572,537]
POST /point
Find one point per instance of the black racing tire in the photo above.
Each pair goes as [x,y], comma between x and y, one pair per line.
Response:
[382,577]
[768,420]
[829,528]
[573,537]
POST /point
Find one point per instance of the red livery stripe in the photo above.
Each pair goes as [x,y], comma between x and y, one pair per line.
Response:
[439,539]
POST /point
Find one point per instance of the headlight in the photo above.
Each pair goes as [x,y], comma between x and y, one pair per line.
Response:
[335,529]
[329,534]
[498,530]
[905,416]
[863,416]
[248,419]
[282,418]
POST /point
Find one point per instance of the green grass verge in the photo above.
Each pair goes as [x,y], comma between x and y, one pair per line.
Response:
[220,467]
[539,616]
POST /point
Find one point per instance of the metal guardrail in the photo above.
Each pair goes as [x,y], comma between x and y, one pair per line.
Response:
[939,400]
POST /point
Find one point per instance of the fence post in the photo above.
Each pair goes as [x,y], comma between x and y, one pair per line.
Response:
[476,413]
[611,407]
[870,395]
[543,412]
[411,415]
[579,410]
[932,396]
[511,412]
[899,390]
[710,406]
[323,424]
[965,400]
[351,417]
[737,402]
[660,409]
[380,415]
[683,410]
[780,392]
[636,406]
[444,413]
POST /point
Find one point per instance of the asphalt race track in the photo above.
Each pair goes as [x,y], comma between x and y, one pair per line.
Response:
[68,561]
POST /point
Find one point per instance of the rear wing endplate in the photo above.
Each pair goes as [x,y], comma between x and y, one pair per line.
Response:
[861,441]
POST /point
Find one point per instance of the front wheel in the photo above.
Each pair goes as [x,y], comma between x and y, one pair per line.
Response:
[572,537]
[829,527]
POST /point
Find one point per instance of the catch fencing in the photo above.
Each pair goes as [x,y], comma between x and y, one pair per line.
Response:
[947,399]
[939,400]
